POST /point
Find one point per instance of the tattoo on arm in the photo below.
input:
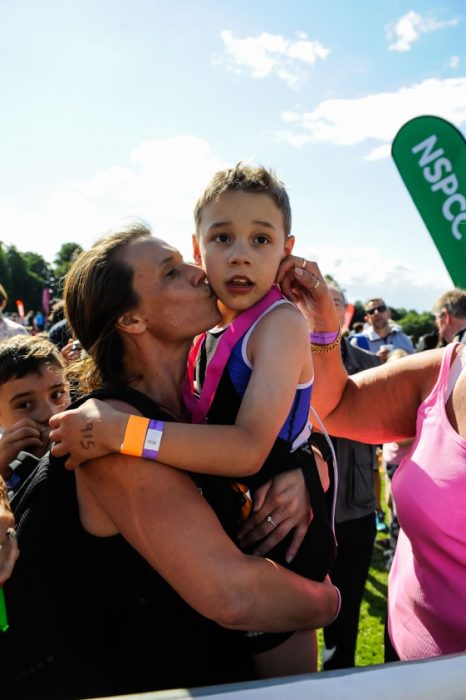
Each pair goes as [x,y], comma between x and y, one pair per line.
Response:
[87,441]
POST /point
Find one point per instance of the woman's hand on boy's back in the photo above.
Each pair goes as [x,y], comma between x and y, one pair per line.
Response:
[25,434]
[280,505]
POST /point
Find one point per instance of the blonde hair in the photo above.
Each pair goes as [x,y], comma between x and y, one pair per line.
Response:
[396,354]
[454,302]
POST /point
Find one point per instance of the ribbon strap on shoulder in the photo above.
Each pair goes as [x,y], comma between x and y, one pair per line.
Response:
[199,407]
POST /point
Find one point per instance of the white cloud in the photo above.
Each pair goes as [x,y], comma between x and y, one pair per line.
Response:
[379,152]
[364,271]
[454,62]
[267,54]
[161,184]
[405,31]
[376,117]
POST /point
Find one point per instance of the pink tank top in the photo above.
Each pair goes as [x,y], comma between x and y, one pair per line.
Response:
[427,584]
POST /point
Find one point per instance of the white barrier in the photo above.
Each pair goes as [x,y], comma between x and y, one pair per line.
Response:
[431,679]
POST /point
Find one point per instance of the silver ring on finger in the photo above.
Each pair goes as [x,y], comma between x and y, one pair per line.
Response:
[303,264]
[316,283]
[269,520]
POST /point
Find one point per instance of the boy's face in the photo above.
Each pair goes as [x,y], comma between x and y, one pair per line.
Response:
[240,242]
[34,396]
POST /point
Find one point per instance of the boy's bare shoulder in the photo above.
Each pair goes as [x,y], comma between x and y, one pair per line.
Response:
[284,323]
[286,313]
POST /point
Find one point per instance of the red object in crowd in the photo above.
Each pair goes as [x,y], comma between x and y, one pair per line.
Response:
[349,313]
[20,307]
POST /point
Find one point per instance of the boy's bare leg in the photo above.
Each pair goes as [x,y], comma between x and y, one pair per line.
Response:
[297,655]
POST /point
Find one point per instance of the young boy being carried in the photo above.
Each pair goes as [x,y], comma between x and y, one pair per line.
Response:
[250,379]
[32,389]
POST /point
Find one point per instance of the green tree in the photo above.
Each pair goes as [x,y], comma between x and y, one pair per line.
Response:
[397,314]
[23,284]
[27,275]
[416,324]
[359,312]
[4,271]
[39,267]
[64,258]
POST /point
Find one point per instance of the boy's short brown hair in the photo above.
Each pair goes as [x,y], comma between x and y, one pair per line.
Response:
[246,178]
[25,354]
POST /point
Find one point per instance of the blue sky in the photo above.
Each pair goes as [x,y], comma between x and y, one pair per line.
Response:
[120,108]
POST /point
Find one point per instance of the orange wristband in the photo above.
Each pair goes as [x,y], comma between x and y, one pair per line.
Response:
[135,434]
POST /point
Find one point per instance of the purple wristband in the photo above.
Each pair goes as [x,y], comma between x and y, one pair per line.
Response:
[152,440]
[323,338]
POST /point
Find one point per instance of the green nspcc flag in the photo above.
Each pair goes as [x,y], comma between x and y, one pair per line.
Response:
[430,154]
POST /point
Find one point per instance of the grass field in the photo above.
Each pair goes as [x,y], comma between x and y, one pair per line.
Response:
[370,649]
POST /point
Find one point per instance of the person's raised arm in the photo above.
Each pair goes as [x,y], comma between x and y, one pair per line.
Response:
[376,405]
[380,404]
[161,513]
[306,286]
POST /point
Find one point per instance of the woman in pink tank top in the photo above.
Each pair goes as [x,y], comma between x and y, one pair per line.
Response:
[427,587]
[423,397]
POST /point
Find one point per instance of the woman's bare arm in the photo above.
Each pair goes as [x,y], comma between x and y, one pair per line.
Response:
[162,514]
[377,405]
[380,404]
[280,349]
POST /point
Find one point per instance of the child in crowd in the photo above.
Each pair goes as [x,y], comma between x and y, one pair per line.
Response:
[250,379]
[32,389]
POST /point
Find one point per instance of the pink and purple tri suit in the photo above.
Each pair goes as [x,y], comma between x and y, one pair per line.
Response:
[220,368]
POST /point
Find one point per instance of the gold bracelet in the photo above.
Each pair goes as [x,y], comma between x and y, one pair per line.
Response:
[323,349]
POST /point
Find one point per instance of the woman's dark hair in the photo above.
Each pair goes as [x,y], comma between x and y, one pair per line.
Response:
[98,290]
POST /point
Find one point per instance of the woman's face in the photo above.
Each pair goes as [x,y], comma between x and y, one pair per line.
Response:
[175,300]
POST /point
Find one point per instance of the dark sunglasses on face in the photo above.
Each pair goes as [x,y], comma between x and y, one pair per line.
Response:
[380,309]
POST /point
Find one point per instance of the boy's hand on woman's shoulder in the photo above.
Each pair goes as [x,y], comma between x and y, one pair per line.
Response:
[22,435]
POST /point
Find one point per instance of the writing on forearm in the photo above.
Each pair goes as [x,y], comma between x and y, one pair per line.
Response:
[86,440]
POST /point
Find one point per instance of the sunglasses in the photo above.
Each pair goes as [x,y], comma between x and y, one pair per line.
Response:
[380,309]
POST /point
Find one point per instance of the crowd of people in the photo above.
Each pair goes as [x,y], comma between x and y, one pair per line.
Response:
[253,528]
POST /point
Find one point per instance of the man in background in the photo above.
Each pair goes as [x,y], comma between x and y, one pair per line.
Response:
[381,331]
[355,519]
[450,316]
